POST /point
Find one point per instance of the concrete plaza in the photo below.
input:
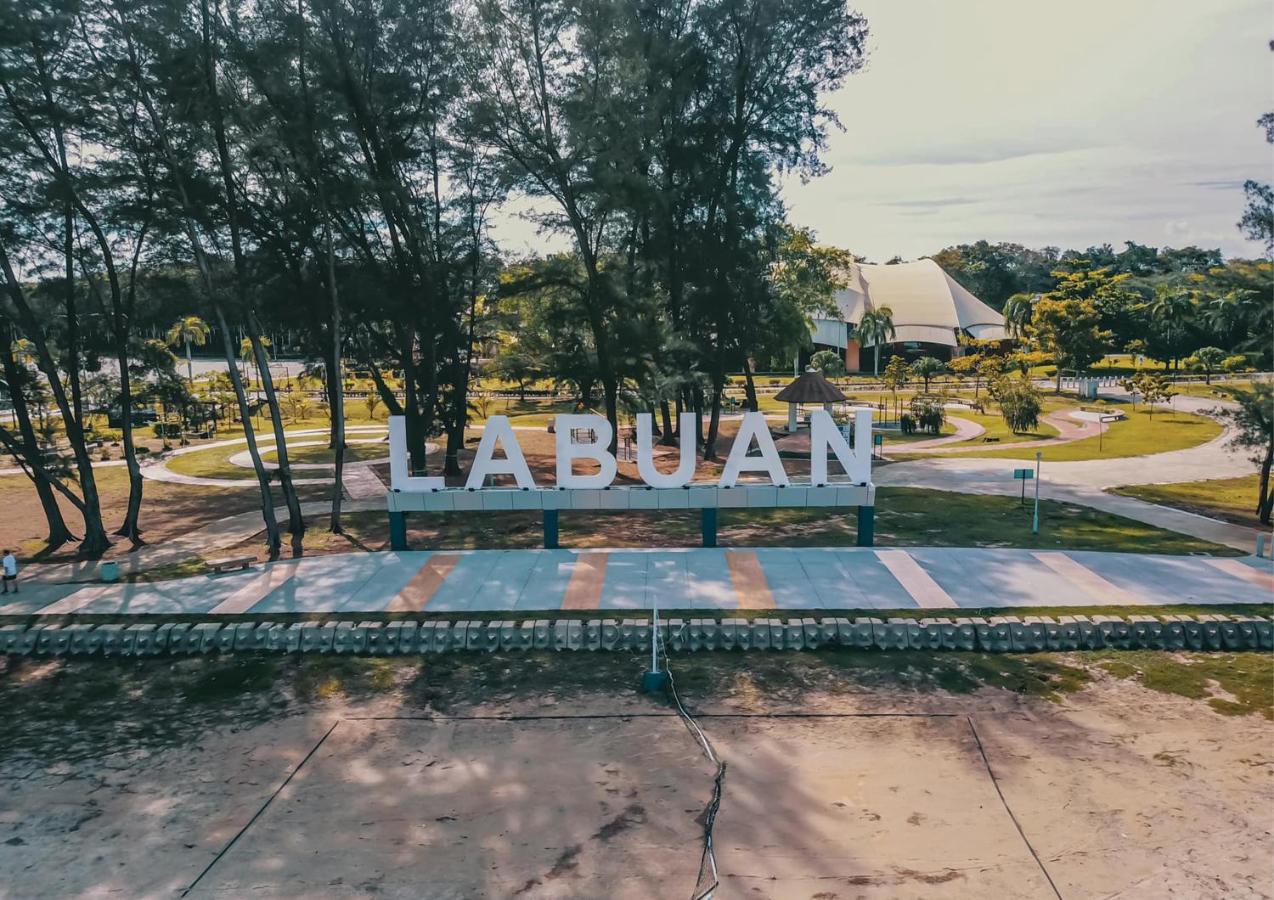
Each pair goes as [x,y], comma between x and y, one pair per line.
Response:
[690,579]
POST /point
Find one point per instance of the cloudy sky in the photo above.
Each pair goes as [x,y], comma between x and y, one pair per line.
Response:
[1046,123]
[1065,124]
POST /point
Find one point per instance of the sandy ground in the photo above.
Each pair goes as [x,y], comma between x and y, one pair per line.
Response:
[1121,793]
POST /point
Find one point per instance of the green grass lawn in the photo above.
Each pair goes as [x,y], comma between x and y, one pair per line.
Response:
[323,454]
[1138,435]
[1228,499]
[996,427]
[905,517]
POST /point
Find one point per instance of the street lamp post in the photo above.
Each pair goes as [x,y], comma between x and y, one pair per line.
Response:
[1035,519]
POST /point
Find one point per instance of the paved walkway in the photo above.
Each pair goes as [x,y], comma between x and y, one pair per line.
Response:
[696,579]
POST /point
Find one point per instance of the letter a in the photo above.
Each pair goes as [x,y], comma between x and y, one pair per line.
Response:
[499,431]
[753,427]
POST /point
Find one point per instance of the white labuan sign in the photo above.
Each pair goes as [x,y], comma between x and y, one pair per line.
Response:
[825,437]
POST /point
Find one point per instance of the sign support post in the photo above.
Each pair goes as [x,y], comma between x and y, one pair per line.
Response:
[550,529]
[708,526]
[1035,520]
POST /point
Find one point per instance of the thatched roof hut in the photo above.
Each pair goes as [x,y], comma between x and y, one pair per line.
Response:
[811,387]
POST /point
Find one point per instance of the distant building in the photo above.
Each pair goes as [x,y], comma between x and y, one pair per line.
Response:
[930,310]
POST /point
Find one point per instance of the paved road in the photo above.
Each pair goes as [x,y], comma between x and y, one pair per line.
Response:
[1085,481]
[693,579]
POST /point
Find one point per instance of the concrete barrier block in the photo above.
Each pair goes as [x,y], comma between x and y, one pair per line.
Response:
[492,633]
[409,639]
[375,638]
[245,636]
[1090,636]
[1001,633]
[636,634]
[178,639]
[864,633]
[610,634]
[113,639]
[1192,628]
[889,635]
[474,636]
[163,634]
[710,635]
[794,635]
[1264,630]
[1114,631]
[1211,628]
[966,635]
[844,631]
[982,628]
[568,634]
[508,636]
[812,633]
[933,634]
[1247,629]
[1052,631]
[676,635]
[727,634]
[1029,635]
[276,639]
[427,638]
[11,637]
[593,634]
[1233,637]
[77,638]
[915,639]
[525,637]
[52,640]
[1173,634]
[543,639]
[127,641]
[316,637]
[1146,632]
[223,642]
[778,633]
[144,639]
[759,634]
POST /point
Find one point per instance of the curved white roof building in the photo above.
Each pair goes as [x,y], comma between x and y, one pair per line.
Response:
[928,307]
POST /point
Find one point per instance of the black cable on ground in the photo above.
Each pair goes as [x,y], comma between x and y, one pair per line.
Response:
[708,857]
[996,782]
[264,806]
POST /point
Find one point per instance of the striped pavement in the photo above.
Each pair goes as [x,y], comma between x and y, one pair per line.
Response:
[689,579]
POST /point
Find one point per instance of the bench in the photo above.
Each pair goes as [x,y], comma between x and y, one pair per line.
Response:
[230,562]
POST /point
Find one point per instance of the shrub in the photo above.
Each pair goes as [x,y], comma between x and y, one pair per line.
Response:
[928,413]
[167,429]
[1020,404]
[828,362]
[1237,363]
[907,424]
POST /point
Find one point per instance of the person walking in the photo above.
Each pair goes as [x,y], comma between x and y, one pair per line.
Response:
[10,564]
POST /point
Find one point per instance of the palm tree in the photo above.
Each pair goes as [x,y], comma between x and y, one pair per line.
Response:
[247,354]
[875,328]
[1018,311]
[1173,308]
[190,330]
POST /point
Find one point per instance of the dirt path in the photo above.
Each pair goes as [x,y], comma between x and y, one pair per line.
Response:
[1117,792]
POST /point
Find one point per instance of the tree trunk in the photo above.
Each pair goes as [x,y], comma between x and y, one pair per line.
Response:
[668,439]
[296,522]
[59,534]
[1265,502]
[750,386]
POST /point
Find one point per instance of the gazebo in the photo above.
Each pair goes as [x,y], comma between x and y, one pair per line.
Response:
[811,387]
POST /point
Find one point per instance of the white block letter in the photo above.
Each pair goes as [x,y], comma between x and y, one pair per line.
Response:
[400,478]
[753,427]
[499,431]
[568,451]
[824,434]
[646,457]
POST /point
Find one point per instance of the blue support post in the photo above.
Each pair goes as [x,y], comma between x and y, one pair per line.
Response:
[708,527]
[398,531]
[550,529]
[866,526]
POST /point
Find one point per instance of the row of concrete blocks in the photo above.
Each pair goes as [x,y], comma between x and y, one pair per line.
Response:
[997,634]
